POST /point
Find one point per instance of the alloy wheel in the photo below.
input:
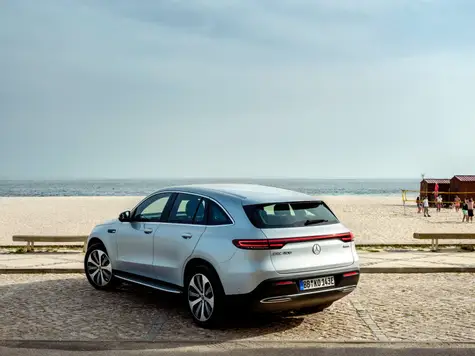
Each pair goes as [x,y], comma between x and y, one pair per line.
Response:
[201,297]
[99,268]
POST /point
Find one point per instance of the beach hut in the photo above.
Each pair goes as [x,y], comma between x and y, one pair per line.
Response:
[464,185]
[428,186]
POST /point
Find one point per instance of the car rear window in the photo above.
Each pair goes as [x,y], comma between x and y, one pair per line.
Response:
[291,214]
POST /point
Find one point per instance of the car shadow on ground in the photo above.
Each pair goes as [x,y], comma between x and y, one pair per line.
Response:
[68,308]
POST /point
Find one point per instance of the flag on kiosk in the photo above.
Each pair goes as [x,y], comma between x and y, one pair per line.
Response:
[436,190]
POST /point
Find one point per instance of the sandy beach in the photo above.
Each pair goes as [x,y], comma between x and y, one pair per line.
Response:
[373,219]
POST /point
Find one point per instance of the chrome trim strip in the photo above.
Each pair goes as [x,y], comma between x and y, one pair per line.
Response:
[289,297]
[276,300]
[164,289]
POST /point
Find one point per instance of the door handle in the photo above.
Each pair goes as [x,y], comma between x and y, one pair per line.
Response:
[148,231]
[111,231]
[187,235]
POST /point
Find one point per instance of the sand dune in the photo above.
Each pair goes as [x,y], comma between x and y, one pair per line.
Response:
[373,219]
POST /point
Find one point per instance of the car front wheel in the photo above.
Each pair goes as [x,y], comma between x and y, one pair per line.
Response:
[98,267]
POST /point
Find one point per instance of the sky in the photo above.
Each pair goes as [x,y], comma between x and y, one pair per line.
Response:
[236,88]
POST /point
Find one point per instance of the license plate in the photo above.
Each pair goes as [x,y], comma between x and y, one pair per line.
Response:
[317,283]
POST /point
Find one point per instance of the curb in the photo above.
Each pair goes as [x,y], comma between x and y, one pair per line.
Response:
[365,270]
[413,245]
[105,345]
[40,270]
[417,270]
[46,246]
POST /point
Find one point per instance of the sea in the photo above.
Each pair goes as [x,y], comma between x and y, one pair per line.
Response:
[139,187]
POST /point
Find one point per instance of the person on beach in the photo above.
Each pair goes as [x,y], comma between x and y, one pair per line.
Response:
[439,203]
[457,203]
[470,210]
[465,211]
[426,207]
[419,205]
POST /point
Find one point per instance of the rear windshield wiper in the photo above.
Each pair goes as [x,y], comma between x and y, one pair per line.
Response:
[314,222]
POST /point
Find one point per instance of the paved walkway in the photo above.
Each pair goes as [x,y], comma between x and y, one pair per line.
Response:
[371,262]
[398,307]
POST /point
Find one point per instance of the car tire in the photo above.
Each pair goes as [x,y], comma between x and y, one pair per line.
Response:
[204,296]
[98,268]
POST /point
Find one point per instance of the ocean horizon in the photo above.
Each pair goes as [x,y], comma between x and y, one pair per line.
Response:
[142,187]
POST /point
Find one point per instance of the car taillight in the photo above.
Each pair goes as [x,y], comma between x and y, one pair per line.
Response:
[350,274]
[252,244]
[348,238]
[271,244]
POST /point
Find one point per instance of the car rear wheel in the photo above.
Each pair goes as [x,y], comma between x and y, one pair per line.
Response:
[98,268]
[204,297]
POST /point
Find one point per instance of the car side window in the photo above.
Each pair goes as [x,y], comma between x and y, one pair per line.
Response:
[200,216]
[152,208]
[216,215]
[188,209]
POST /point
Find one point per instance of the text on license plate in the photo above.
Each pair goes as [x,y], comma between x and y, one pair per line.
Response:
[316,283]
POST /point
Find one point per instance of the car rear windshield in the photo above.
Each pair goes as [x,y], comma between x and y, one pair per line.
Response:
[292,214]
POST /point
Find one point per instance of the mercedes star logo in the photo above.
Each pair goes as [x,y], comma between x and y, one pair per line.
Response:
[316,249]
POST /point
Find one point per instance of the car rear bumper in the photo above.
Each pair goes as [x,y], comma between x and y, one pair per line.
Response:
[278,295]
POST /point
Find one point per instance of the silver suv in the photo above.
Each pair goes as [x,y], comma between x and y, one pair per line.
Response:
[222,245]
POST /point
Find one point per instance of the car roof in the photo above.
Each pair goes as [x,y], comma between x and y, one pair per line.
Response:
[246,193]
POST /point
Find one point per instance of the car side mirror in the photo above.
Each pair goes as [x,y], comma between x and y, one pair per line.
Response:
[124,216]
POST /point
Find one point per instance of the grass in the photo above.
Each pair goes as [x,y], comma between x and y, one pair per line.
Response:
[380,248]
[411,248]
[40,249]
[362,248]
[368,249]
